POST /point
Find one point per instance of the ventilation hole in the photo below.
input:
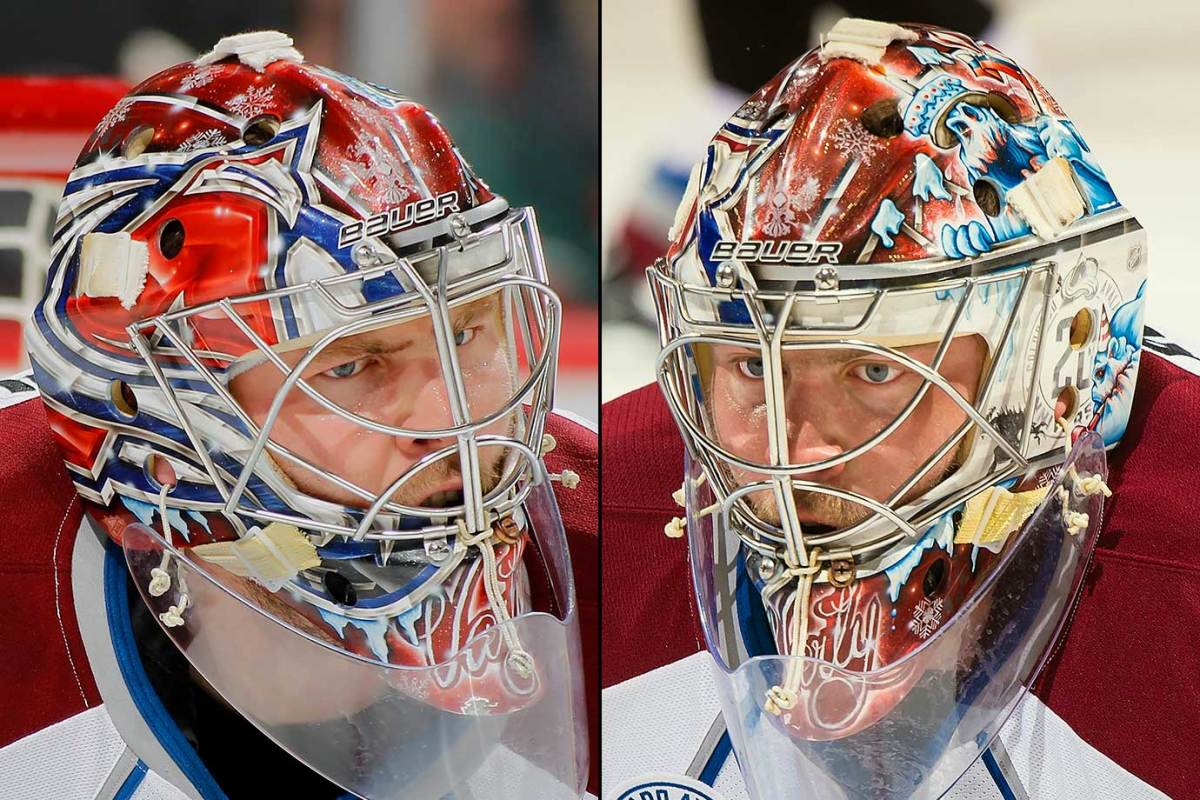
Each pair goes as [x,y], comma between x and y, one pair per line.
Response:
[160,471]
[12,272]
[1066,403]
[1006,108]
[882,118]
[15,205]
[773,116]
[137,141]
[260,130]
[170,238]
[1081,328]
[987,197]
[340,588]
[935,578]
[123,398]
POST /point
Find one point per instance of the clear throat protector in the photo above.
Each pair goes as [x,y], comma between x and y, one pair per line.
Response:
[833,713]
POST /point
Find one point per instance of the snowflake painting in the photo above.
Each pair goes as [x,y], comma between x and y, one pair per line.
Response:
[201,76]
[375,171]
[927,617]
[252,102]
[115,115]
[203,139]
[807,195]
[793,93]
[784,209]
[852,140]
[368,111]
[752,110]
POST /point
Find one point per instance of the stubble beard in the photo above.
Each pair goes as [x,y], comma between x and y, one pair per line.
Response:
[416,489]
[836,512]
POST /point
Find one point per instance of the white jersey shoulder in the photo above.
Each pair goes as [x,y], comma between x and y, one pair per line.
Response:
[656,743]
[99,763]
[1182,353]
[17,389]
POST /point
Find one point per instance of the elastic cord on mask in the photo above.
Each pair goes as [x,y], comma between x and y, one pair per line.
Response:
[782,697]
[519,659]
[160,578]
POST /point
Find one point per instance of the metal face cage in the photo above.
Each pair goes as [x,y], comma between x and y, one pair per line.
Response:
[503,259]
[1013,300]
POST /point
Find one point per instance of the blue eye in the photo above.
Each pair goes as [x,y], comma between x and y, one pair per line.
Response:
[464,337]
[347,370]
[877,373]
[751,368]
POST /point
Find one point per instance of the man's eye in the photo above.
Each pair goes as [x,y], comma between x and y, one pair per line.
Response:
[751,368]
[464,337]
[347,370]
[877,373]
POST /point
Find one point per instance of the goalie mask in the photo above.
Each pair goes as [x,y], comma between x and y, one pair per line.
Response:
[899,288]
[299,359]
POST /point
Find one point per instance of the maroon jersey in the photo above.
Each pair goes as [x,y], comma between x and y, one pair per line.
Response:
[1121,682]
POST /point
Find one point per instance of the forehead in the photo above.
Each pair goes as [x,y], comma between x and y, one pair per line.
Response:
[480,310]
[398,336]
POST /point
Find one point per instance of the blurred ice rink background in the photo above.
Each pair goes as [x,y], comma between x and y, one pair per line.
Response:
[1125,73]
[515,81]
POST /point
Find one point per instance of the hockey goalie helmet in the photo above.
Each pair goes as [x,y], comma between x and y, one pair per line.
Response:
[898,287]
[299,359]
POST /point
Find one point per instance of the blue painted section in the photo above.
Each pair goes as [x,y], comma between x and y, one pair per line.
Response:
[993,768]
[717,760]
[133,781]
[752,617]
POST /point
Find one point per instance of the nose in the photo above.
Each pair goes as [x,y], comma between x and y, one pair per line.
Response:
[421,405]
[807,444]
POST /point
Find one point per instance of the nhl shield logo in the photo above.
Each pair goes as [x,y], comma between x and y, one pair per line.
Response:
[663,787]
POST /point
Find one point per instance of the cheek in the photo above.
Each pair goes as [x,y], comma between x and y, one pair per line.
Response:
[489,381]
[325,439]
[254,394]
[741,426]
[932,422]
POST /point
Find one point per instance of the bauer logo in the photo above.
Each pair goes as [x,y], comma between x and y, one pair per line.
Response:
[663,787]
[398,218]
[778,252]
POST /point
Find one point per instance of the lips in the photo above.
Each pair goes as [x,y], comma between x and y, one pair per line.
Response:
[443,498]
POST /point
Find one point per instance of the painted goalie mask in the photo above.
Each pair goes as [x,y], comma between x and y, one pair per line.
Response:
[899,290]
[299,359]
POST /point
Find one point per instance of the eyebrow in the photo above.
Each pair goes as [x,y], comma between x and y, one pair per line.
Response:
[367,347]
[470,312]
[474,310]
[460,316]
